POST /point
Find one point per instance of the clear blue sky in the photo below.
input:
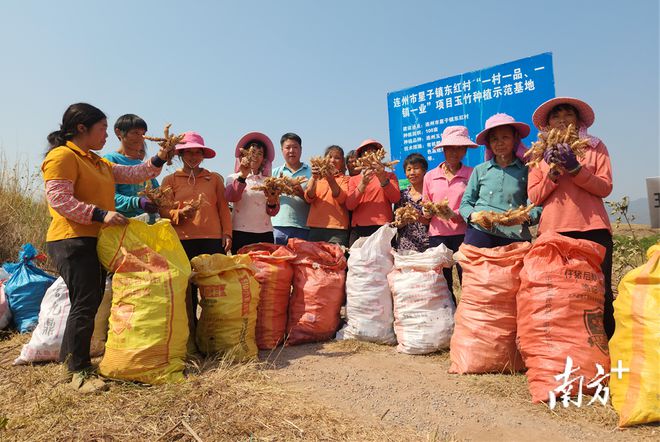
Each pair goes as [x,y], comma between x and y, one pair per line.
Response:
[320,69]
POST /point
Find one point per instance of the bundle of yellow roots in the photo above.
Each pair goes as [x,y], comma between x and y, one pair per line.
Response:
[163,197]
[195,203]
[374,160]
[440,209]
[512,217]
[276,186]
[249,155]
[167,142]
[325,165]
[549,139]
[405,215]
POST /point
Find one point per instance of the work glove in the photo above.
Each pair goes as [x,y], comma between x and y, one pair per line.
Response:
[567,157]
[147,205]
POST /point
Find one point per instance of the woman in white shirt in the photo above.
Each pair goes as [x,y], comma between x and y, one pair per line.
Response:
[251,209]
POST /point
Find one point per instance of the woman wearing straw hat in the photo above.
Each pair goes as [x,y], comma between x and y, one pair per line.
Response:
[573,198]
[449,181]
[498,184]
[252,210]
[202,228]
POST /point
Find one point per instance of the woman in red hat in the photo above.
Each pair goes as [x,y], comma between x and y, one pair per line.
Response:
[252,210]
[572,198]
[370,196]
[201,217]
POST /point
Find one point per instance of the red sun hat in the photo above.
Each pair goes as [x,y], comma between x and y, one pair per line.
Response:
[585,112]
[366,143]
[193,140]
[502,120]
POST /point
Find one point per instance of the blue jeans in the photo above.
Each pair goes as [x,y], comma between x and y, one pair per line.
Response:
[282,234]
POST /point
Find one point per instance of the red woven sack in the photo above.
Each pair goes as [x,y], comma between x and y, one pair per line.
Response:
[274,274]
[484,339]
[318,291]
[560,313]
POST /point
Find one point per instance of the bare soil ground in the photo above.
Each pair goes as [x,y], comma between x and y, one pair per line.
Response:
[380,385]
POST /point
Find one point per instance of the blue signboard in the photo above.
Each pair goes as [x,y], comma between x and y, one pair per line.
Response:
[419,114]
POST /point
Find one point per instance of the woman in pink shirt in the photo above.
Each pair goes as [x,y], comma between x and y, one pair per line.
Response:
[326,194]
[251,209]
[572,198]
[370,196]
[449,180]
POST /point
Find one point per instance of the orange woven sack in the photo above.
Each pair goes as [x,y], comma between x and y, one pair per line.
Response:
[560,314]
[318,291]
[274,273]
[484,339]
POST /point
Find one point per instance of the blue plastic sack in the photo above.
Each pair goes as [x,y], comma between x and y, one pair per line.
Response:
[26,288]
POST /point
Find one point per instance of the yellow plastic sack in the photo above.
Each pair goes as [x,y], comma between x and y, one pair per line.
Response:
[636,343]
[101,319]
[229,295]
[148,323]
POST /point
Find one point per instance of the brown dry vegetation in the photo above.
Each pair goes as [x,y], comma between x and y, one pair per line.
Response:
[217,401]
[24,213]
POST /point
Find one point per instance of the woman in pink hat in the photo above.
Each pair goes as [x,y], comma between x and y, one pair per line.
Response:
[498,184]
[449,181]
[251,209]
[206,229]
[370,196]
[573,198]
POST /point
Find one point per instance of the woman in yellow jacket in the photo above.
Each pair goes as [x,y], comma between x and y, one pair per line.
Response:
[80,190]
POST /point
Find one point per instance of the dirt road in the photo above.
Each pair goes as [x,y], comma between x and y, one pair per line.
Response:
[377,383]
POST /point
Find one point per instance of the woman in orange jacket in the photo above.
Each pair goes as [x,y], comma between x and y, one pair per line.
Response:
[201,216]
[572,194]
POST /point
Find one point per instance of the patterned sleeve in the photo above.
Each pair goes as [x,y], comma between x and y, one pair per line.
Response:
[59,194]
[134,174]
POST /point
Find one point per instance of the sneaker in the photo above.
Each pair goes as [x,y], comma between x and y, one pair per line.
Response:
[84,383]
[93,385]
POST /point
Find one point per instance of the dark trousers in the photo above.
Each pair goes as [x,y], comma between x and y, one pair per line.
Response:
[604,238]
[484,240]
[453,242]
[196,247]
[333,236]
[360,232]
[241,239]
[282,234]
[78,264]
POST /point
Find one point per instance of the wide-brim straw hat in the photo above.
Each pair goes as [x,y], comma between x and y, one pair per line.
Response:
[366,143]
[193,140]
[456,136]
[502,120]
[585,112]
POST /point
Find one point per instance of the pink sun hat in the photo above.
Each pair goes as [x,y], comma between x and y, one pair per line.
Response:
[585,112]
[366,143]
[193,140]
[269,154]
[501,120]
[456,136]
